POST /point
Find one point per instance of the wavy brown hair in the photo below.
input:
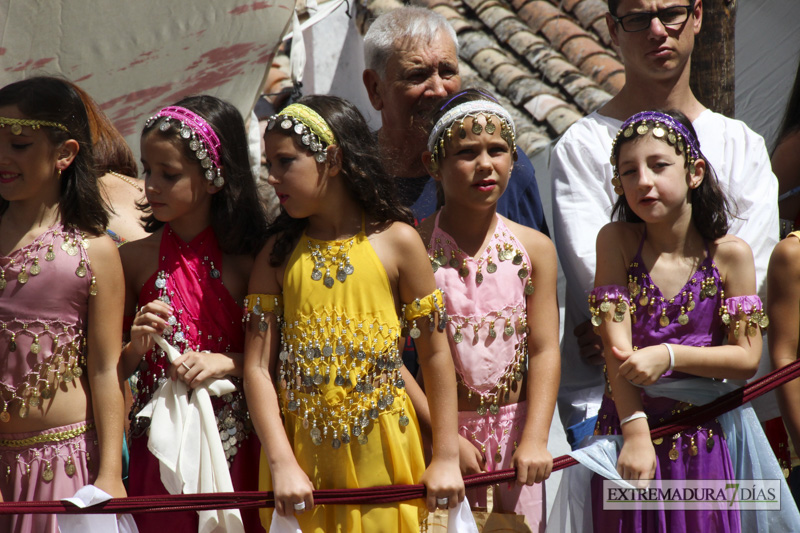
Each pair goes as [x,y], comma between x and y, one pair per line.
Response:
[364,175]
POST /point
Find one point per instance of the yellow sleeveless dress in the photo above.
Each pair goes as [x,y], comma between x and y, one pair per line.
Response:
[343,400]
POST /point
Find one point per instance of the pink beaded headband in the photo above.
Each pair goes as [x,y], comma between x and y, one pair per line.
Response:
[202,139]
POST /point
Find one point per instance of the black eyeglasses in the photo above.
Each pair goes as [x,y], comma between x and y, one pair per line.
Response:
[670,16]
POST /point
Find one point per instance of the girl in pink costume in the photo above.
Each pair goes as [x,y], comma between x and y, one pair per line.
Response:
[60,307]
[503,334]
[187,282]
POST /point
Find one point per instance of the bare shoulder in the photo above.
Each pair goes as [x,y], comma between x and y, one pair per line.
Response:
[536,243]
[140,258]
[732,252]
[398,234]
[425,229]
[786,255]
[102,248]
[624,233]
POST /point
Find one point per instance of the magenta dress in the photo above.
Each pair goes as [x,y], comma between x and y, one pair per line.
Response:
[693,317]
[206,318]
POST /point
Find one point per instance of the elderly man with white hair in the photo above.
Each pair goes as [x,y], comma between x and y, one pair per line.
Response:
[411,55]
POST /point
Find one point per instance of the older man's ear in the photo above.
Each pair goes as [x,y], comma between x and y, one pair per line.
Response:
[374,86]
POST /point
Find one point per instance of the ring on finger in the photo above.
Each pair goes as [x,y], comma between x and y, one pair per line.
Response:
[300,506]
[442,502]
[184,365]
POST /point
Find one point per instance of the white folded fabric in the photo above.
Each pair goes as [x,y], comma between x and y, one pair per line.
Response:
[185,439]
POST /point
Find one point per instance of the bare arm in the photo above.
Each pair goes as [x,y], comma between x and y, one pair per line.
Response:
[532,460]
[290,484]
[783,284]
[415,280]
[103,361]
[637,459]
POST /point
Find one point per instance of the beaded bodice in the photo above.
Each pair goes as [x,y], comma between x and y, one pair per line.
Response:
[699,315]
[339,365]
[44,301]
[206,318]
[486,306]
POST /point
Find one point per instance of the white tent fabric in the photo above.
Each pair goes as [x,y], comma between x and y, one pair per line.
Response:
[136,57]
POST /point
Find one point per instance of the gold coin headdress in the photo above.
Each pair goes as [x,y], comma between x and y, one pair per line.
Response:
[17,124]
[454,120]
[314,132]
[663,127]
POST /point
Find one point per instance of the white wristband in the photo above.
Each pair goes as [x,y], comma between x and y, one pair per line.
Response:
[671,357]
[634,416]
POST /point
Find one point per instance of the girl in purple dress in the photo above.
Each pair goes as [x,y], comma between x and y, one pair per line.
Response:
[675,304]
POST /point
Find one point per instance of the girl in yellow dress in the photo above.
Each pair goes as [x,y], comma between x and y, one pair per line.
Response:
[322,362]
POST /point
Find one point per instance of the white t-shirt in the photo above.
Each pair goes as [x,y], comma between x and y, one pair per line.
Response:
[583,198]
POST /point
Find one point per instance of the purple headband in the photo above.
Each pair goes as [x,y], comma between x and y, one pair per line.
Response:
[202,139]
[663,127]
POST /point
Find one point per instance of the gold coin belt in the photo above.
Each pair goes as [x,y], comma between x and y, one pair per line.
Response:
[54,446]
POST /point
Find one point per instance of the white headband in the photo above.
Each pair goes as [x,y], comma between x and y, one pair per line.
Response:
[473,108]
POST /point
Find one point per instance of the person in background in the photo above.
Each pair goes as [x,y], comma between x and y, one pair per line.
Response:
[117,171]
[411,57]
[655,41]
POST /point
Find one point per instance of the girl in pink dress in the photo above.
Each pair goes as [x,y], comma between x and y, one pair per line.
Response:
[60,307]
[503,334]
[187,282]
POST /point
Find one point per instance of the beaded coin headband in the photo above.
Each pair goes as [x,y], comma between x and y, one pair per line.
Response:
[314,132]
[17,124]
[202,139]
[663,127]
[446,124]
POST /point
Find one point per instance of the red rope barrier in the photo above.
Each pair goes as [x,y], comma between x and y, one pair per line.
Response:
[390,493]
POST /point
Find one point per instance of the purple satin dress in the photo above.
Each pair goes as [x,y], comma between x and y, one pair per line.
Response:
[696,316]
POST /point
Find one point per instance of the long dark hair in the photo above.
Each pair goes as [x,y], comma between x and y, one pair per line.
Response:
[237,216]
[710,209]
[54,100]
[362,170]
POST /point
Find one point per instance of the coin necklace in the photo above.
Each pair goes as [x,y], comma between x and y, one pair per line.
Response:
[327,259]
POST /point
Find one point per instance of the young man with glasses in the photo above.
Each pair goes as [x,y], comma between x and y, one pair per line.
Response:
[655,39]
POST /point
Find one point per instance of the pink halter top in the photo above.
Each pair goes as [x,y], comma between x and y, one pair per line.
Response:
[44,303]
[486,304]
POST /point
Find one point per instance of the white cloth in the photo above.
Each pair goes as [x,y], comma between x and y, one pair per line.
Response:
[185,439]
[87,496]
[582,201]
[751,457]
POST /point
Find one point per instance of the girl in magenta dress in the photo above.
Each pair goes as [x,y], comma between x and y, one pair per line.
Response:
[675,304]
[61,292]
[187,282]
[503,331]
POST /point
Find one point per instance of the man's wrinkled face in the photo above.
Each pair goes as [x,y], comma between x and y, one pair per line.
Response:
[417,75]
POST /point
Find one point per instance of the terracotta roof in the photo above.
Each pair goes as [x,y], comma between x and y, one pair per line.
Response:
[550,61]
